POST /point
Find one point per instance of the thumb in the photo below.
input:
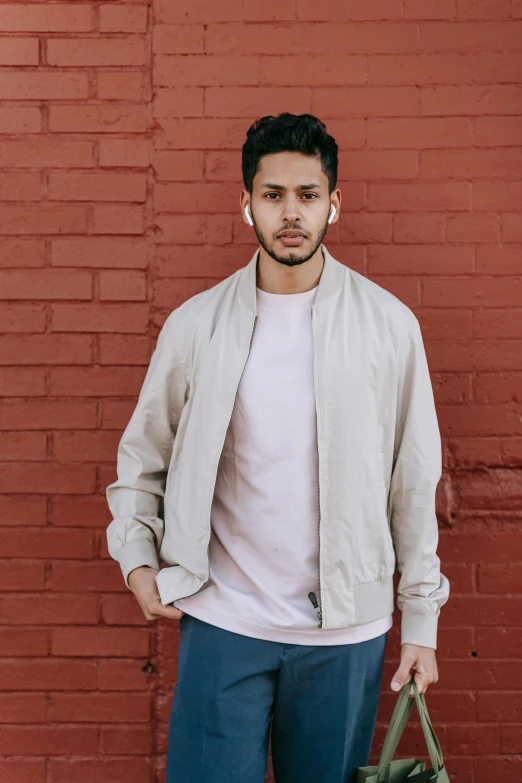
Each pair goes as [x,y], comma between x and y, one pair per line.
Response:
[401,677]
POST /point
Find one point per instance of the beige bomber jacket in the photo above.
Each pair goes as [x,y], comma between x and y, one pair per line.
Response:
[379,449]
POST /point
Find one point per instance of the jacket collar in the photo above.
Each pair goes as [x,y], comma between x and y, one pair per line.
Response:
[330,281]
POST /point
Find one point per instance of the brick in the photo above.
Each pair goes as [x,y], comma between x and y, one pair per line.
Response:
[308,10]
[41,674]
[97,52]
[473,452]
[92,576]
[71,18]
[122,675]
[394,197]
[26,642]
[128,153]
[512,227]
[23,577]
[18,382]
[104,253]
[188,102]
[45,284]
[367,101]
[49,740]
[20,119]
[202,70]
[484,291]
[419,132]
[418,228]
[368,228]
[475,36]
[22,771]
[429,9]
[20,187]
[48,477]
[22,253]
[105,186]
[185,11]
[87,447]
[42,85]
[123,19]
[118,219]
[322,38]
[123,349]
[498,259]
[498,488]
[22,511]
[497,387]
[494,578]
[94,382]
[123,318]
[416,259]
[321,70]
[133,770]
[125,740]
[30,219]
[270,11]
[122,609]
[122,86]
[122,286]
[40,414]
[489,132]
[19,51]
[99,708]
[100,642]
[178,38]
[43,153]
[44,543]
[421,69]
[174,165]
[472,228]
[483,9]
[471,100]
[22,707]
[78,511]
[45,348]
[97,119]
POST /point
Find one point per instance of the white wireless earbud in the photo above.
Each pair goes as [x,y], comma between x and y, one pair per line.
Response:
[332,214]
[247,213]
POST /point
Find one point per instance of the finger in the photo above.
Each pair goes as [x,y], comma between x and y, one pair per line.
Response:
[166,611]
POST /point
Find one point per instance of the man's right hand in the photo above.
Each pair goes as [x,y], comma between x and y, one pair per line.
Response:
[142,582]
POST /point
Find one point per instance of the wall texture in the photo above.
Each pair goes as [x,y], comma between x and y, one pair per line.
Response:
[121,128]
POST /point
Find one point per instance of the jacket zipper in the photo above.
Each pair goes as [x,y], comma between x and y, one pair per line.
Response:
[223,442]
[312,596]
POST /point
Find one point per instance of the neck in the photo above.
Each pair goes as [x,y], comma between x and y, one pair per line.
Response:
[276,278]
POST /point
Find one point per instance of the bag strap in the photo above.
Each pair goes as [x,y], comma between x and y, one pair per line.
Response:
[397,725]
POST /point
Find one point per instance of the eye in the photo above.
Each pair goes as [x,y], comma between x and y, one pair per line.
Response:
[314,195]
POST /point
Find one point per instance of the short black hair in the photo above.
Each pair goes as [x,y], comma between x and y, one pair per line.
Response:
[287,132]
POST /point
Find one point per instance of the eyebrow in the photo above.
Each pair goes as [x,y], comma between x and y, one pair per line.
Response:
[272,186]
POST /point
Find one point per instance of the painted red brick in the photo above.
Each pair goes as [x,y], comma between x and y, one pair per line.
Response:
[121,128]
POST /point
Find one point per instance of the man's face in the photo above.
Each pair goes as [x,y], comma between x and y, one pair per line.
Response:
[290,192]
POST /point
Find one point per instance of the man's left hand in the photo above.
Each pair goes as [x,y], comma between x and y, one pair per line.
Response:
[419,661]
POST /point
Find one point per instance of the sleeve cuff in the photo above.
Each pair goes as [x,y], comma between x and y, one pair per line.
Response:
[419,628]
[134,554]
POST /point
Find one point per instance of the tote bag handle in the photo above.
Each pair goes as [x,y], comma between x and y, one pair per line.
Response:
[397,725]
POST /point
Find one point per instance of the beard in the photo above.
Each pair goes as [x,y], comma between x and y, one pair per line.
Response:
[292,259]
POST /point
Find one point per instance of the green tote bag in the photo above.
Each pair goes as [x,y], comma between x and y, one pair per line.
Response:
[407,770]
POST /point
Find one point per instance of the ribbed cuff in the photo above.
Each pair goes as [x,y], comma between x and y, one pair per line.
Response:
[419,628]
[134,554]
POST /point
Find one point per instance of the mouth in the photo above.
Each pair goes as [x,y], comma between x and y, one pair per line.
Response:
[292,238]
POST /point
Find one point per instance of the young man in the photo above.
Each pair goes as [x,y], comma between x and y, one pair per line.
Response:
[283,459]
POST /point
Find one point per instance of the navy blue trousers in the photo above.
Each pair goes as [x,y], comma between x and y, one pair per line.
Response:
[318,704]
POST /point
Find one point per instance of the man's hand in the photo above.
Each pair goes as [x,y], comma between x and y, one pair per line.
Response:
[423,663]
[142,582]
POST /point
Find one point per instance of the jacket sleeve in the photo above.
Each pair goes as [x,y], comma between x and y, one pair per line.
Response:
[135,534]
[416,471]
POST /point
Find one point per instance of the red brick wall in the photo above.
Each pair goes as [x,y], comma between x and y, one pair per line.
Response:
[121,126]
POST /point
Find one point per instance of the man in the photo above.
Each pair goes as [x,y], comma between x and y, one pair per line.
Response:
[283,459]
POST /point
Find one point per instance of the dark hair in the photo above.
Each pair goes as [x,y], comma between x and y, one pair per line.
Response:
[287,132]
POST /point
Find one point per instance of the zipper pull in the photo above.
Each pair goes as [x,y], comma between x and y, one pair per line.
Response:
[315,604]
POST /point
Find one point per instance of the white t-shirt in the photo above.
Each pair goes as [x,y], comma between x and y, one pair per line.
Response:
[264,546]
